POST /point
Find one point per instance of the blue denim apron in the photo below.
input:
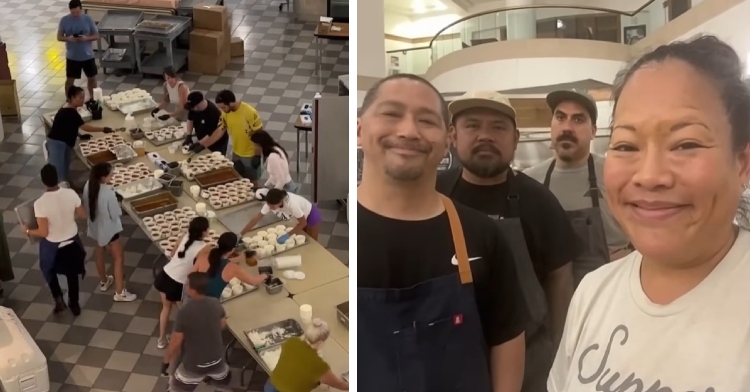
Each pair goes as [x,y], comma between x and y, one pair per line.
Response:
[426,338]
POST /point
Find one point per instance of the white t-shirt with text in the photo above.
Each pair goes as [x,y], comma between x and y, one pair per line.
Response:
[616,339]
[294,206]
[59,208]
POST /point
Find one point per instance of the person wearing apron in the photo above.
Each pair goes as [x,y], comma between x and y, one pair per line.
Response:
[572,177]
[484,138]
[175,97]
[439,304]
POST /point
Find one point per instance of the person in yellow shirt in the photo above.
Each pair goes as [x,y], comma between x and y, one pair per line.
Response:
[242,120]
[300,368]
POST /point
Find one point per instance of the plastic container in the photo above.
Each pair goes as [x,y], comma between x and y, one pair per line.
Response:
[306,313]
[130,122]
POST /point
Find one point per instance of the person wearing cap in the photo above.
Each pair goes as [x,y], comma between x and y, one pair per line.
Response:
[574,176]
[485,135]
[206,120]
[439,306]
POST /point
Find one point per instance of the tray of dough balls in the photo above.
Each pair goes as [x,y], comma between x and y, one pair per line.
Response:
[230,194]
[235,288]
[170,225]
[133,101]
[102,144]
[166,135]
[204,163]
[264,241]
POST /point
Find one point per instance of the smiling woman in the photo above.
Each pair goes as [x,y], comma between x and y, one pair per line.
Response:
[678,164]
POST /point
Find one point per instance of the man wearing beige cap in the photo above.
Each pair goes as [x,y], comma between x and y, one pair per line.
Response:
[574,177]
[485,136]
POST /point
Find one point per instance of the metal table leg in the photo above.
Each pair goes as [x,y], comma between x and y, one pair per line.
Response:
[307,147]
[299,153]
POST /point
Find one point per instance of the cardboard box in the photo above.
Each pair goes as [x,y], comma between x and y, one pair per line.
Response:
[9,105]
[206,41]
[210,17]
[205,63]
[237,47]
[226,46]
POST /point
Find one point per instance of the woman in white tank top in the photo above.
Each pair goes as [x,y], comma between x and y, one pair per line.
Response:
[175,96]
[170,280]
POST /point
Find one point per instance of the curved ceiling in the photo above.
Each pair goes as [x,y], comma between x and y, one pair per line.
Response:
[422,8]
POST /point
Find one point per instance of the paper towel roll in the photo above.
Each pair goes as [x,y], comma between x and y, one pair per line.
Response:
[98,94]
[284,262]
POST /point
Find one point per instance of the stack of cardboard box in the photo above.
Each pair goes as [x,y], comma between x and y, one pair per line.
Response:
[210,40]
[9,105]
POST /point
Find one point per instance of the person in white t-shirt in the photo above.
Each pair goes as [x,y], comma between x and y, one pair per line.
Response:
[675,314]
[169,282]
[277,162]
[60,248]
[287,206]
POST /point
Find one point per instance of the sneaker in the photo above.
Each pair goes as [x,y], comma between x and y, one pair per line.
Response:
[125,296]
[162,343]
[104,286]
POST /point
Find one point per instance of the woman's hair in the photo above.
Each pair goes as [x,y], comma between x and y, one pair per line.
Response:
[169,71]
[226,243]
[275,196]
[266,142]
[49,176]
[718,62]
[98,172]
[72,92]
[317,332]
[197,227]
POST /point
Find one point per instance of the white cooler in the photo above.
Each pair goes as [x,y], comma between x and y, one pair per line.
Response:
[23,367]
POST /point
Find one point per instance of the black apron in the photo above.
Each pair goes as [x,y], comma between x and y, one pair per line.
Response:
[424,338]
[540,350]
[589,226]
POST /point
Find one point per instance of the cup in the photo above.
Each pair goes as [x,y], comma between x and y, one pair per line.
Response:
[158,173]
[305,313]
[172,149]
[185,149]
[200,208]
[195,190]
[204,193]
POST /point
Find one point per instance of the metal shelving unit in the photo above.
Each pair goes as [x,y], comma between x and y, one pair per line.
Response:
[119,55]
[167,53]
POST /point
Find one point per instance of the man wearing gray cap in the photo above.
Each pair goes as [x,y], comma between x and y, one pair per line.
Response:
[574,177]
[485,137]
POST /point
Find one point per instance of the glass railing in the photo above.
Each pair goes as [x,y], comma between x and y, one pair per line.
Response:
[538,22]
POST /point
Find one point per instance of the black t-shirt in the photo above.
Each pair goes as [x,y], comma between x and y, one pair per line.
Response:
[65,126]
[399,254]
[205,122]
[550,239]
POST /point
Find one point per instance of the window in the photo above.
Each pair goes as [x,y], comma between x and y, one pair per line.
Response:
[675,8]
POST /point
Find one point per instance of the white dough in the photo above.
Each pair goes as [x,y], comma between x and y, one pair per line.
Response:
[226,293]
[234,282]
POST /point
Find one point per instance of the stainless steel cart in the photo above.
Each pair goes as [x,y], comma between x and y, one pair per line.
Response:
[166,54]
[119,55]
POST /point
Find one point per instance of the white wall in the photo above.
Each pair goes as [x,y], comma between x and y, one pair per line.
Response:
[528,72]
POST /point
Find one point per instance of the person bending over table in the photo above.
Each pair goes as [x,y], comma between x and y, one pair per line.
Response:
[300,367]
[171,279]
[222,265]
[105,226]
[63,133]
[287,205]
[242,122]
[277,162]
[175,97]
[61,251]
[205,119]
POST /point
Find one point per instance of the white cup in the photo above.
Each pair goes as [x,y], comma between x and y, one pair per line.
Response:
[172,149]
[195,190]
[305,313]
[158,173]
[200,208]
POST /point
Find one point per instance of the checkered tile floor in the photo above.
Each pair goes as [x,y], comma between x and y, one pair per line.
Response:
[112,346]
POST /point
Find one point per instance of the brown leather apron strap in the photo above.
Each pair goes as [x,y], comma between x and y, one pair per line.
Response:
[459,241]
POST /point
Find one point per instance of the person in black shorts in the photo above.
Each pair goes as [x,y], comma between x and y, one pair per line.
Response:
[79,32]
[206,119]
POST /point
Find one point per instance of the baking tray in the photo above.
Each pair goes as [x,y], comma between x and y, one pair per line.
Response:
[342,310]
[151,205]
[277,333]
[165,141]
[275,253]
[125,107]
[233,296]
[345,376]
[143,181]
[26,216]
[217,177]
[102,157]
[123,152]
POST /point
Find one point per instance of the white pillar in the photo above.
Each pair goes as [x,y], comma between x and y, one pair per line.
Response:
[371,41]
[521,24]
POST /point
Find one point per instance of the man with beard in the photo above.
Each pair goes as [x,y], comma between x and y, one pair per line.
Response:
[484,133]
[574,177]
[439,304]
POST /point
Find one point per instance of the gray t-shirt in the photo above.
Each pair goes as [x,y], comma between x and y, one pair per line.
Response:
[570,186]
[200,322]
